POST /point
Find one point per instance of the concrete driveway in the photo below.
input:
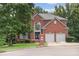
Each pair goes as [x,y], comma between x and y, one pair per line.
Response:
[55,50]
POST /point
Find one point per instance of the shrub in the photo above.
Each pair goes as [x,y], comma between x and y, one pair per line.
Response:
[24,41]
[71,39]
[28,41]
[2,40]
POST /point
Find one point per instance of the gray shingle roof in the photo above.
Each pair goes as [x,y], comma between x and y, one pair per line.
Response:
[49,16]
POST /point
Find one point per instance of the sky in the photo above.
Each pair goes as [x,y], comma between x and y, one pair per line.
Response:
[50,7]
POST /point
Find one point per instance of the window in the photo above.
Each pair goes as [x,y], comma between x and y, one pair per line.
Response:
[37,26]
[24,36]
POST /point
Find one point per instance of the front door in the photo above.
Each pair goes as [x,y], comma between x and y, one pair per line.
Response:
[37,35]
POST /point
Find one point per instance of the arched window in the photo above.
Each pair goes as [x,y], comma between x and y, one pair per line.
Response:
[37,26]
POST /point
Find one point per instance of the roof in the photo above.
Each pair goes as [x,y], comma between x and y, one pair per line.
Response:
[49,16]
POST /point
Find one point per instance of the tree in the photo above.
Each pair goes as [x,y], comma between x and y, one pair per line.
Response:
[71,12]
[15,18]
[38,9]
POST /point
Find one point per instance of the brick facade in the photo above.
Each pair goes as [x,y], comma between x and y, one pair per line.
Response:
[51,27]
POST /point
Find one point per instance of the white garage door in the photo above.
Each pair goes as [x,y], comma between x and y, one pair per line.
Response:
[49,37]
[60,37]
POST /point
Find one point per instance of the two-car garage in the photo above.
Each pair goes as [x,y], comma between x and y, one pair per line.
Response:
[55,37]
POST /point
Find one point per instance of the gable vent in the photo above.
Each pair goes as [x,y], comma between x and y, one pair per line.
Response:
[55,22]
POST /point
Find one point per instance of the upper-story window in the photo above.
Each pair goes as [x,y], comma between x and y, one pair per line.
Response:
[37,26]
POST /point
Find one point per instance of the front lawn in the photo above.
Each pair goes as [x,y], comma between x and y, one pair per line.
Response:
[18,46]
[6,48]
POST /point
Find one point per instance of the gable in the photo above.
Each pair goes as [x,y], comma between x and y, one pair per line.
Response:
[58,22]
[37,18]
[55,26]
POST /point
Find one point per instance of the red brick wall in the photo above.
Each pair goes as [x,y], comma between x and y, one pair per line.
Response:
[32,36]
[55,28]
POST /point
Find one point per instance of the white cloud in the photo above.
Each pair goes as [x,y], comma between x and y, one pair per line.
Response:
[50,10]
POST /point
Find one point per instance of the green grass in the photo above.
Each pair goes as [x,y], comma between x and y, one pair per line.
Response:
[6,48]
[18,46]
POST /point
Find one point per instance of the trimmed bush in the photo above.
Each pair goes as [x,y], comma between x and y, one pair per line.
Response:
[71,39]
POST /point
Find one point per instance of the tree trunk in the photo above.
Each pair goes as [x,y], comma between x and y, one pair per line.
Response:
[9,38]
[10,43]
